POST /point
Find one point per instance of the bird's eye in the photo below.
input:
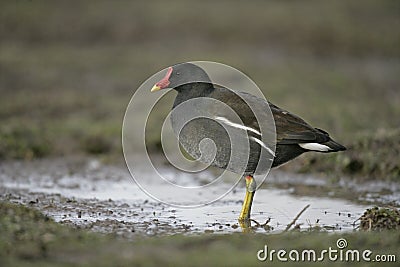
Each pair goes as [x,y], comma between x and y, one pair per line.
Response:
[177,73]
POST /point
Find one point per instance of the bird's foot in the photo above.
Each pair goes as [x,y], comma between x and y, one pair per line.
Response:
[245,224]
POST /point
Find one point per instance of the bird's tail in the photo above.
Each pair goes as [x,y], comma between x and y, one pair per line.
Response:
[334,146]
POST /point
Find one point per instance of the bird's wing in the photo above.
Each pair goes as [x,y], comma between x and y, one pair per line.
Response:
[290,129]
[249,108]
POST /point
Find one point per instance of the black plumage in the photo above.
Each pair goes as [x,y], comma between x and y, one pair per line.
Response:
[293,135]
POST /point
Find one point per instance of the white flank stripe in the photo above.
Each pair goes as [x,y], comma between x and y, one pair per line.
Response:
[237,125]
[261,143]
[315,147]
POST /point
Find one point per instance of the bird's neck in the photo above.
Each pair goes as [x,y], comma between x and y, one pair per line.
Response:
[192,90]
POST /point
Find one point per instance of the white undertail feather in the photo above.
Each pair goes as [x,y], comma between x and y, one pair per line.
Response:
[315,147]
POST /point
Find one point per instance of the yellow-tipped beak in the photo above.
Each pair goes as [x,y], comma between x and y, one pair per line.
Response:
[155,88]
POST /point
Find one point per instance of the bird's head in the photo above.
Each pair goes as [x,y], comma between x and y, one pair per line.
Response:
[180,75]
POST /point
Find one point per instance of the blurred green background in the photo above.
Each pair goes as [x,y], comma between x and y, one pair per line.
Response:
[69,68]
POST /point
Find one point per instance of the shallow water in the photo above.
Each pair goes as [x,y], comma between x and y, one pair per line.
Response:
[87,194]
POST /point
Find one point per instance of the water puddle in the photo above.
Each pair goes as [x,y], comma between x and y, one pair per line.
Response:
[105,198]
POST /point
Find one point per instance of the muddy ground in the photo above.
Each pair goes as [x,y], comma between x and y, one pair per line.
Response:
[80,211]
[85,193]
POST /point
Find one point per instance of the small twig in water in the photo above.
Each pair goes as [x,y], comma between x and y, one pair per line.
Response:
[257,223]
[295,218]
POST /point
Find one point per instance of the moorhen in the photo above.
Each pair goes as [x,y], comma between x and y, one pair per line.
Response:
[294,136]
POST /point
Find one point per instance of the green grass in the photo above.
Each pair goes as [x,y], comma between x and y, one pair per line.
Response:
[357,28]
[28,238]
[377,218]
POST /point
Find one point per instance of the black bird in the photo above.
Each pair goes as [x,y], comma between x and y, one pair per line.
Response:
[294,136]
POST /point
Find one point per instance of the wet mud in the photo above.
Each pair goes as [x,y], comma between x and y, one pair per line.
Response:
[85,193]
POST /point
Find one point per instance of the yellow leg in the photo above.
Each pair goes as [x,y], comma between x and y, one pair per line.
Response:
[248,200]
